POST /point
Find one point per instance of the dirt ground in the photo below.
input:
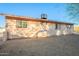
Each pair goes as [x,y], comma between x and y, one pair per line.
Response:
[67,45]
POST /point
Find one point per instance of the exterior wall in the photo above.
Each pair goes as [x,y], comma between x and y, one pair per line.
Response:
[51,30]
[3,36]
[76,28]
[35,29]
[63,30]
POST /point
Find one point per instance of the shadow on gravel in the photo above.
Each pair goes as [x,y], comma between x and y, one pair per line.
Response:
[65,45]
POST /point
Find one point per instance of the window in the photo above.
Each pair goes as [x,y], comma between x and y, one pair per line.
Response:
[58,26]
[24,24]
[21,24]
[69,26]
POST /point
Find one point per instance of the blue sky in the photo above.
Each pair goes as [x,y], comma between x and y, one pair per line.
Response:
[55,11]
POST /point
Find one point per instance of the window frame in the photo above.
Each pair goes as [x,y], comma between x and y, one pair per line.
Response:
[21,24]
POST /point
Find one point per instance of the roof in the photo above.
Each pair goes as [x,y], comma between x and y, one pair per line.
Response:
[33,19]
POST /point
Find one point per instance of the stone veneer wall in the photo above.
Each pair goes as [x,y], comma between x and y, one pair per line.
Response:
[34,29]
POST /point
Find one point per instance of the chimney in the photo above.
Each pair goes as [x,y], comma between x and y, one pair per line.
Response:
[43,16]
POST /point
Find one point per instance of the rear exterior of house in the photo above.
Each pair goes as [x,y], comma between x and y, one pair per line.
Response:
[23,27]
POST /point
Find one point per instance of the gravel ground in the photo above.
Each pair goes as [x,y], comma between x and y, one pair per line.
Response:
[52,46]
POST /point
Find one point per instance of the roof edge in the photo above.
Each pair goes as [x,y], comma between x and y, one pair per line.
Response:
[33,19]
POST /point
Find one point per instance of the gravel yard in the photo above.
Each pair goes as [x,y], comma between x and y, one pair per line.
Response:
[52,46]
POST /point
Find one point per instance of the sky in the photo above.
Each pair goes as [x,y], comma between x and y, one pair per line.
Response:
[54,11]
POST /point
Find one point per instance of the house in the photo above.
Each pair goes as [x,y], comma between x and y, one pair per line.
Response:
[76,28]
[21,26]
